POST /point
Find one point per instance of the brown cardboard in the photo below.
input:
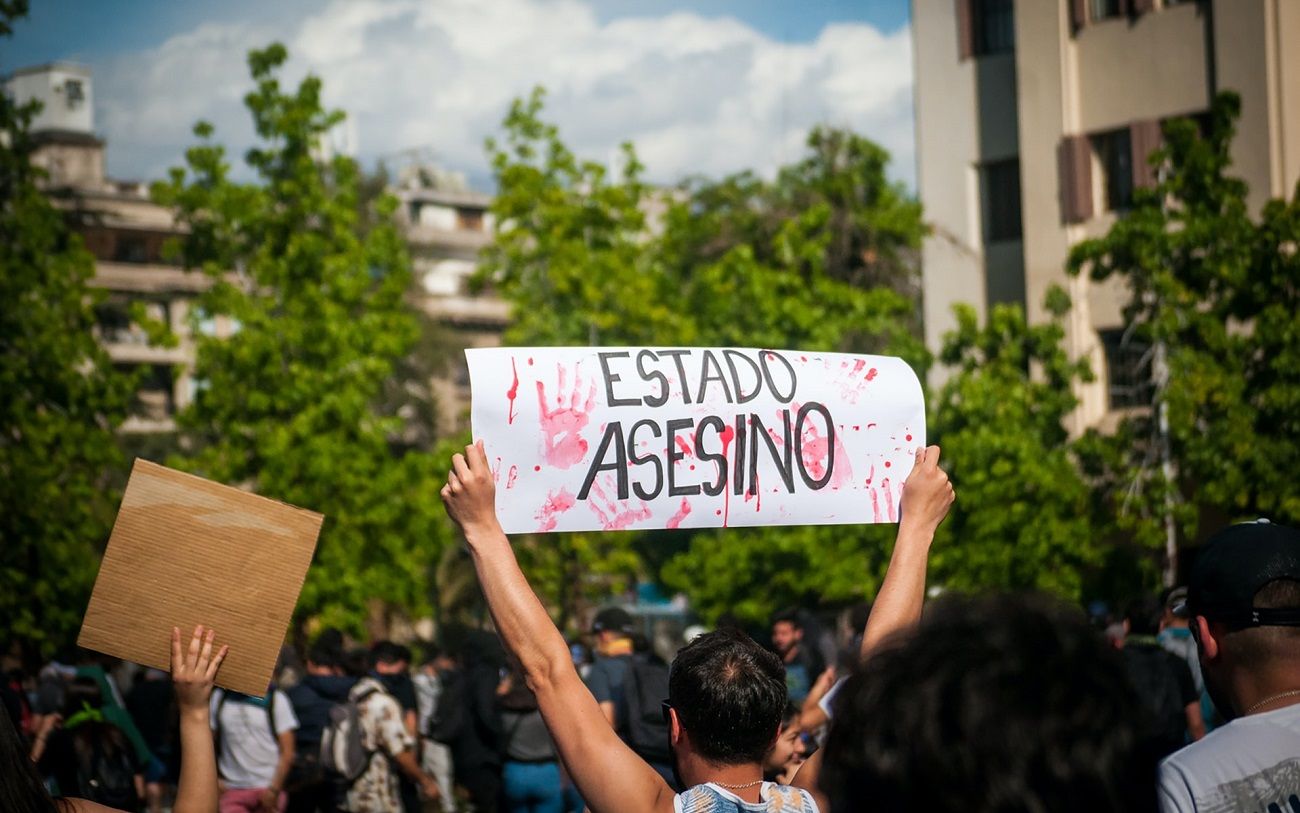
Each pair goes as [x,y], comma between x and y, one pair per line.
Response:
[187,551]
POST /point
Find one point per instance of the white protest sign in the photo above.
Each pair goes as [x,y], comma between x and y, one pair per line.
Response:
[584,439]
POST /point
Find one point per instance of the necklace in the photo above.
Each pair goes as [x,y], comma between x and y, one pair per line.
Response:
[739,787]
[1272,697]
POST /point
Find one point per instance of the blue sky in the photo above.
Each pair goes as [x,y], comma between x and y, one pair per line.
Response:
[710,86]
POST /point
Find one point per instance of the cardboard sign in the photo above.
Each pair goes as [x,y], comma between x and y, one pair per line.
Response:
[187,551]
[628,438]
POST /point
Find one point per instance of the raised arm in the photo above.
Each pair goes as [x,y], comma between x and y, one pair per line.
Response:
[609,775]
[192,675]
[927,495]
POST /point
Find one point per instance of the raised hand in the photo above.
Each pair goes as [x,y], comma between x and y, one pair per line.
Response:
[194,671]
[470,493]
[927,494]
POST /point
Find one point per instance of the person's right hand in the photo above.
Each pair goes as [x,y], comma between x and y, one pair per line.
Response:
[194,671]
[48,723]
[927,494]
[470,493]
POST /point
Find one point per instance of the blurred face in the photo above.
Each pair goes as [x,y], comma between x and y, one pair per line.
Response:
[785,636]
[394,668]
[788,751]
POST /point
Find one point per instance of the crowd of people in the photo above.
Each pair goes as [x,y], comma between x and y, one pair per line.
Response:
[1189,701]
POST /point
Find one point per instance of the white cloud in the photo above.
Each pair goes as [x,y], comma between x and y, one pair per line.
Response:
[696,94]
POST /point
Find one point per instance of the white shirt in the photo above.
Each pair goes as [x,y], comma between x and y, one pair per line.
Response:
[248,751]
[1252,763]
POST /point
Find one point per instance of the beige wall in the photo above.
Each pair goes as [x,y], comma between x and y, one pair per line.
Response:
[1151,67]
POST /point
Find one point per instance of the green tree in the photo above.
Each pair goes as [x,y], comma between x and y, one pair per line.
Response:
[1023,517]
[1218,292]
[817,260]
[289,404]
[62,401]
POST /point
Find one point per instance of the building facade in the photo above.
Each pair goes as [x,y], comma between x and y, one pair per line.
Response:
[1034,120]
[445,224]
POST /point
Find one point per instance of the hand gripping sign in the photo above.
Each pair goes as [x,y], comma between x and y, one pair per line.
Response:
[585,439]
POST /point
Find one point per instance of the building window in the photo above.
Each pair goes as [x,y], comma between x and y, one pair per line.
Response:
[130,249]
[470,219]
[1103,9]
[1128,369]
[1113,154]
[1000,182]
[995,26]
[74,93]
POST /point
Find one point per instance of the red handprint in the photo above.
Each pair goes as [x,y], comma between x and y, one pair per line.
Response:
[614,515]
[564,446]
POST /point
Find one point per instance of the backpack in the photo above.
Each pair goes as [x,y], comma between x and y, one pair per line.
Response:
[105,776]
[342,744]
[645,687]
[1151,669]
[451,716]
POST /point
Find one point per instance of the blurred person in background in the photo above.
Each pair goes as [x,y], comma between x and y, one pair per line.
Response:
[1243,601]
[1176,637]
[612,629]
[86,755]
[150,704]
[803,661]
[390,749]
[22,789]
[390,663]
[1171,705]
[787,754]
[435,758]
[255,748]
[322,687]
[531,775]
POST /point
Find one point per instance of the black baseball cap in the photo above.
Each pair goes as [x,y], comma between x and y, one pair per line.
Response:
[613,619]
[1235,564]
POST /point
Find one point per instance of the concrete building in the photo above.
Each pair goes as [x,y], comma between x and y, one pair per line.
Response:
[446,225]
[1034,119]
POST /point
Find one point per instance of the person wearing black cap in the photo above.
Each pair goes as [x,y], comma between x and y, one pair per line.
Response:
[612,629]
[1243,601]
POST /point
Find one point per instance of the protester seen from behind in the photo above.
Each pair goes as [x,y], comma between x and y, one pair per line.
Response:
[1169,705]
[726,693]
[1243,601]
[255,749]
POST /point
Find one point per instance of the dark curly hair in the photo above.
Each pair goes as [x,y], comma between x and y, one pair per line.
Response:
[996,703]
[729,694]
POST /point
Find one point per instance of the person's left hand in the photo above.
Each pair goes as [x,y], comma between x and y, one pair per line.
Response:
[270,800]
[194,671]
[470,493]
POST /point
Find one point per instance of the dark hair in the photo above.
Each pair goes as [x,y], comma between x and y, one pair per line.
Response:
[82,692]
[324,653]
[993,703]
[790,617]
[790,713]
[388,652]
[1143,615]
[21,788]
[729,694]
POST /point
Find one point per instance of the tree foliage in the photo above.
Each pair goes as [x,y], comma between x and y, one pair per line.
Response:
[289,404]
[1220,290]
[62,400]
[821,258]
[1022,519]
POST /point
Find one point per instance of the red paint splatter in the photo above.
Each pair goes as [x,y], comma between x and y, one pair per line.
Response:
[727,435]
[683,444]
[871,426]
[887,464]
[530,361]
[511,476]
[676,519]
[803,358]
[755,492]
[889,500]
[909,437]
[512,393]
[858,364]
[871,475]
[556,503]
[871,374]
[537,468]
[718,512]
[563,445]
[496,471]
[875,506]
